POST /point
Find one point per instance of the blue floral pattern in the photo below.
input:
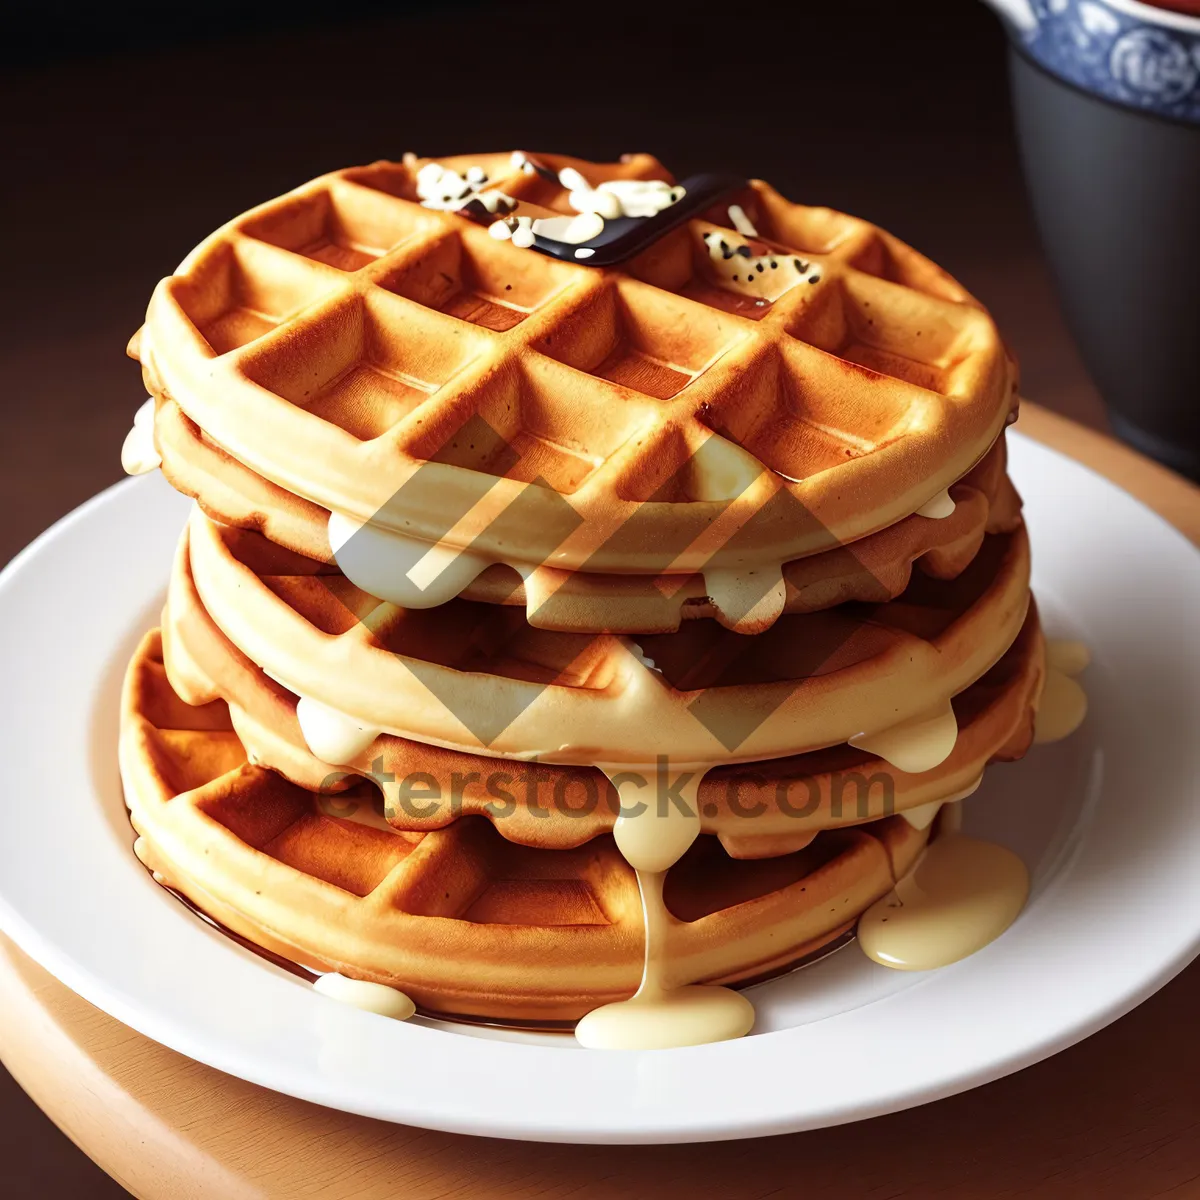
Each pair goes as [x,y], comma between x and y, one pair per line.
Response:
[1107,51]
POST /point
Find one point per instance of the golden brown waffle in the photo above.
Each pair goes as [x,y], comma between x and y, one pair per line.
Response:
[343,340]
[875,568]
[477,677]
[462,920]
[759,810]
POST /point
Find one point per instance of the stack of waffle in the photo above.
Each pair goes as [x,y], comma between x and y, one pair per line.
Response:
[514,583]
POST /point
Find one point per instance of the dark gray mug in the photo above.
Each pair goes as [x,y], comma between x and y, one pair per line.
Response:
[1107,101]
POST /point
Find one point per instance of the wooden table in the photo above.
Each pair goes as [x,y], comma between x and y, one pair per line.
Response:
[1118,1115]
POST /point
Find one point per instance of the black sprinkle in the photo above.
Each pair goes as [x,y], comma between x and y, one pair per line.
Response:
[798,265]
[508,287]
[774,265]
[759,268]
[728,254]
[744,251]
[735,279]
[815,279]
[725,246]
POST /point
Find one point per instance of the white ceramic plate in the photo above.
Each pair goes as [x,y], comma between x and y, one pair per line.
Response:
[1108,821]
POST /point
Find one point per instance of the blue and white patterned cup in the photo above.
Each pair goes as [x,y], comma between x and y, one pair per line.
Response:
[1106,95]
[1132,53]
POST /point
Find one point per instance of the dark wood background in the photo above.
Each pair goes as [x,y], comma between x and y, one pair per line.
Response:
[130,133]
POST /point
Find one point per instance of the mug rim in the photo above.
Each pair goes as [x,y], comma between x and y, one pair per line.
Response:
[1152,15]
[1018,48]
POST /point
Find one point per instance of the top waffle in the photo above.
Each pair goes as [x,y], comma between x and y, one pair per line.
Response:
[398,364]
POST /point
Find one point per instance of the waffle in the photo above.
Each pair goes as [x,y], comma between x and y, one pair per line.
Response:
[763,810]
[476,677]
[462,920]
[874,569]
[399,365]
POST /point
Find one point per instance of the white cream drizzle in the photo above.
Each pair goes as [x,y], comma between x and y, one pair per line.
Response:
[1063,703]
[332,736]
[741,598]
[921,816]
[399,569]
[939,507]
[1072,658]
[918,744]
[962,894]
[370,997]
[653,835]
[138,453]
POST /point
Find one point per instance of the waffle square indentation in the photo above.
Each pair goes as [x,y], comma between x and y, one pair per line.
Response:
[243,290]
[478,281]
[342,226]
[634,336]
[362,363]
[800,412]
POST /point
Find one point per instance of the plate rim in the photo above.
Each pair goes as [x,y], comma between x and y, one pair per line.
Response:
[166,1028]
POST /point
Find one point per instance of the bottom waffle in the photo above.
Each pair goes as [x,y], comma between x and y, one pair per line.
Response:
[461,919]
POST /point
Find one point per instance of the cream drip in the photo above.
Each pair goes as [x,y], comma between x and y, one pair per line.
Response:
[962,894]
[653,833]
[332,736]
[138,453]
[918,744]
[1063,703]
[922,815]
[939,507]
[400,569]
[740,597]
[1061,709]
[1071,658]
[370,997]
